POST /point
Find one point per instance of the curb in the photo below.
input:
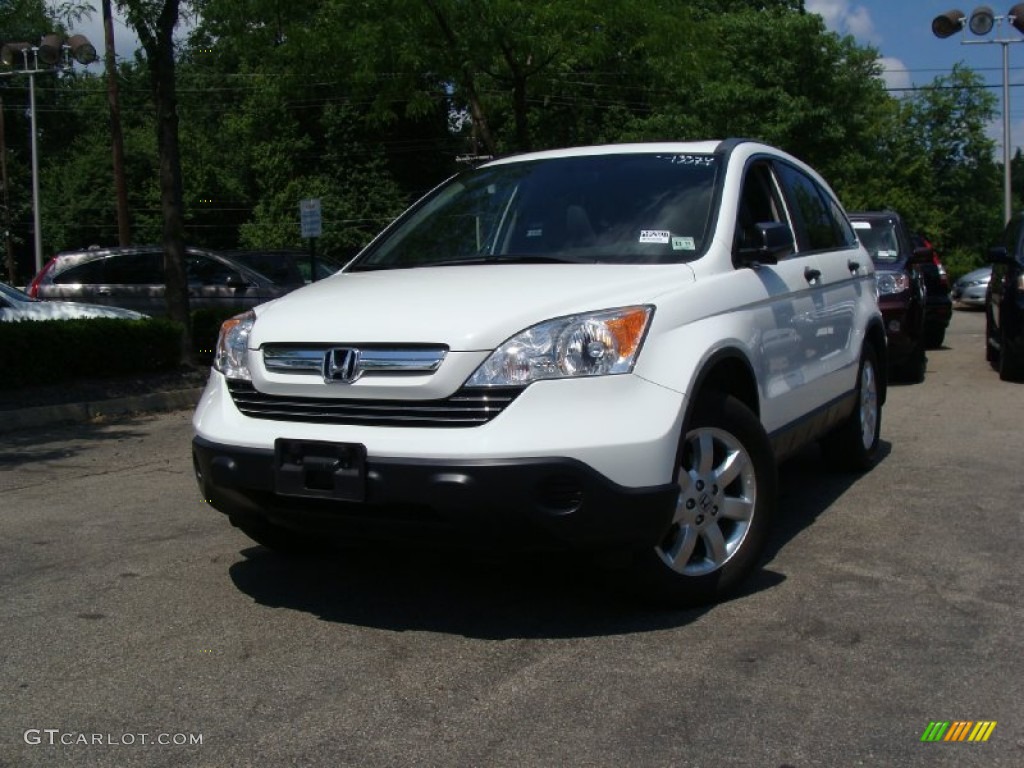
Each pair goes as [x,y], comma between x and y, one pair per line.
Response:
[80,413]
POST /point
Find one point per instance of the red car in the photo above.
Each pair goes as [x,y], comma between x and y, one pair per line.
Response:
[902,292]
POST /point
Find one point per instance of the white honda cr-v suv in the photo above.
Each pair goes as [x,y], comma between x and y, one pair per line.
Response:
[604,347]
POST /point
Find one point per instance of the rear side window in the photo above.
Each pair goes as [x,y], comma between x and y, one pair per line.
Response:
[819,223]
[203,269]
[89,273]
[134,269]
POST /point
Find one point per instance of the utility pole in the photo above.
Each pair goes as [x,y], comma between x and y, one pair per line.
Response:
[124,232]
[6,202]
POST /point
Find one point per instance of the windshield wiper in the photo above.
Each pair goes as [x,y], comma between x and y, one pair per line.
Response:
[511,258]
[507,258]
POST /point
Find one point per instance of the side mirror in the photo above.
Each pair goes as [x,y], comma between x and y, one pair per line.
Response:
[998,254]
[774,240]
[235,280]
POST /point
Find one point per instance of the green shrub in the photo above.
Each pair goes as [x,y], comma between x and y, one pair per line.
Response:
[958,262]
[37,352]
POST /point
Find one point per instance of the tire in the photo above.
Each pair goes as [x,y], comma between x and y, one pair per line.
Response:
[991,353]
[913,371]
[1011,362]
[934,337]
[727,485]
[854,445]
[277,539]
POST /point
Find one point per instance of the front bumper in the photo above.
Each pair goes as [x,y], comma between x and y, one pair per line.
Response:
[513,501]
[903,329]
[969,297]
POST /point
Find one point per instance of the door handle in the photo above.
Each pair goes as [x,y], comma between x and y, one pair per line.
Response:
[811,274]
[103,291]
[854,266]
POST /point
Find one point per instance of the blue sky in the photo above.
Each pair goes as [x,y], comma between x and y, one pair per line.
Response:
[901,30]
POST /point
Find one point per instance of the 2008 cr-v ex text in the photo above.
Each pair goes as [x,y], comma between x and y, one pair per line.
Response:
[608,347]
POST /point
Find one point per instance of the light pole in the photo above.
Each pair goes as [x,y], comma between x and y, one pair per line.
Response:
[981,22]
[52,55]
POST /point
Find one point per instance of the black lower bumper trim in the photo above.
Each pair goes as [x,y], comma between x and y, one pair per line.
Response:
[516,501]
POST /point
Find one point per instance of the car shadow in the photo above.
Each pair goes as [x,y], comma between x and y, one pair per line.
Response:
[496,595]
[808,486]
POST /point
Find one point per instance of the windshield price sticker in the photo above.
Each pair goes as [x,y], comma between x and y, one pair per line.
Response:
[654,235]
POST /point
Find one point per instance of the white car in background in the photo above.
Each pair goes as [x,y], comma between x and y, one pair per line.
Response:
[603,347]
[15,306]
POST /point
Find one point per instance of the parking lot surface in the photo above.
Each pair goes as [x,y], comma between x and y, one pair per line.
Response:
[140,629]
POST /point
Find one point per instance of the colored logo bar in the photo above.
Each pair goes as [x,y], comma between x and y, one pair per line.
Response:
[958,730]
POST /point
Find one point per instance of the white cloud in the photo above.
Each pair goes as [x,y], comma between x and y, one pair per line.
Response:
[894,73]
[844,17]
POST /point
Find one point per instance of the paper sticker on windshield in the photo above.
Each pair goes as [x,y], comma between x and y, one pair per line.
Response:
[683,244]
[654,235]
[861,225]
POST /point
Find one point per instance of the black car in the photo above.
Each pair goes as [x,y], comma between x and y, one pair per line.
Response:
[902,291]
[1004,304]
[133,278]
[939,294]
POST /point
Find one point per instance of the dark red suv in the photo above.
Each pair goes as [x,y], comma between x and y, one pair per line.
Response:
[902,289]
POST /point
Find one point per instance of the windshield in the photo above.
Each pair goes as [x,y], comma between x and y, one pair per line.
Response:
[13,294]
[880,238]
[617,208]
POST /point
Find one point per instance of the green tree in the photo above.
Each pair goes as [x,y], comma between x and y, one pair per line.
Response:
[154,21]
[936,166]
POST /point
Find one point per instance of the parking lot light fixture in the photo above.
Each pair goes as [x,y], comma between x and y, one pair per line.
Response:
[981,22]
[948,24]
[52,55]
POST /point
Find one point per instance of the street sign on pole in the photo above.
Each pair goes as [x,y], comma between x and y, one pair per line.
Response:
[312,227]
[309,217]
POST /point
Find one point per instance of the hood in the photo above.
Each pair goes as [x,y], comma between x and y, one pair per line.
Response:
[68,310]
[465,307]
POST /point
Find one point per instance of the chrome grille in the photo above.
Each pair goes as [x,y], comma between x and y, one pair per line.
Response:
[466,408]
[283,358]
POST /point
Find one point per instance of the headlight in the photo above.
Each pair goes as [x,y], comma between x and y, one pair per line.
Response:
[892,282]
[232,345]
[591,344]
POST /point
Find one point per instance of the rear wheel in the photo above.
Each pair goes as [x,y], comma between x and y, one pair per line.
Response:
[854,445]
[934,337]
[913,371]
[727,486]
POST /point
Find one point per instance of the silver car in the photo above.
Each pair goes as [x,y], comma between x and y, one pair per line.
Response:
[969,290]
[15,306]
[133,277]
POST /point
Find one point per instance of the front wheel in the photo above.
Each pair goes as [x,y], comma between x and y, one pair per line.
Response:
[991,353]
[854,445]
[727,487]
[1011,361]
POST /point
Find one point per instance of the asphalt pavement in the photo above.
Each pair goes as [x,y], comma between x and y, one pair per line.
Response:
[140,629]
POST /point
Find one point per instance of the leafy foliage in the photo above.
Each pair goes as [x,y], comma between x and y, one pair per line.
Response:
[367,105]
